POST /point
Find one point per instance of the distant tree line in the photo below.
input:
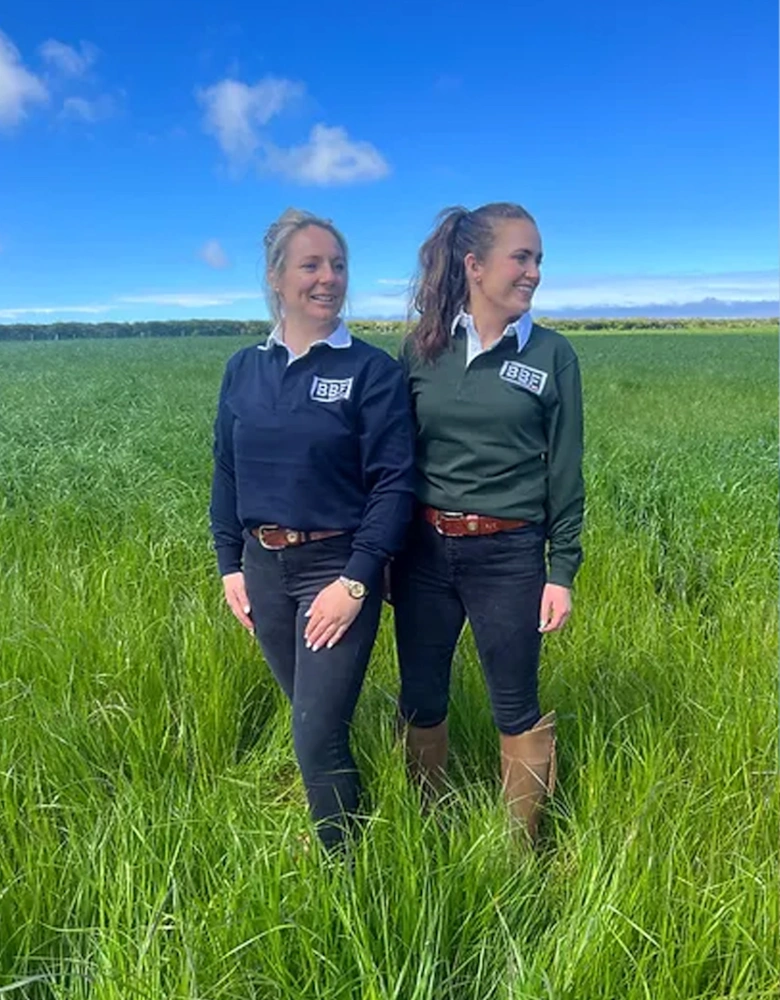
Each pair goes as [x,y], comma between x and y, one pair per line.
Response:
[259,329]
[658,323]
[167,328]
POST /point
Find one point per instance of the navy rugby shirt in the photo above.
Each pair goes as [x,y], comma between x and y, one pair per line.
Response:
[322,441]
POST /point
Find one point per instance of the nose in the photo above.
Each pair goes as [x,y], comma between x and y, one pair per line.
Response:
[328,275]
[533,270]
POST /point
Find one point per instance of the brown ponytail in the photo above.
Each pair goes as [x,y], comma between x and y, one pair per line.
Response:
[440,288]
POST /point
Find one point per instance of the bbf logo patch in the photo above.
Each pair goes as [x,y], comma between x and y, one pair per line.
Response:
[329,390]
[522,375]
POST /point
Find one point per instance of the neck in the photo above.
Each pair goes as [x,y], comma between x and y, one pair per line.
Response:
[489,324]
[300,335]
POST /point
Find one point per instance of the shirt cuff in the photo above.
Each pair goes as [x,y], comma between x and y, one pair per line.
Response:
[365,568]
[229,559]
[562,573]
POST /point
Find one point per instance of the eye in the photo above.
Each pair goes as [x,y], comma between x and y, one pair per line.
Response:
[309,266]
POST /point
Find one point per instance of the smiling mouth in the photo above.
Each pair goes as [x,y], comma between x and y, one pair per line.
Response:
[326,300]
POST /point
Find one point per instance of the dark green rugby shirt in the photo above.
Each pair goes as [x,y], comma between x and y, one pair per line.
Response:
[503,436]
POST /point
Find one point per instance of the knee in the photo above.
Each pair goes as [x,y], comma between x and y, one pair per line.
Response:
[424,712]
[321,745]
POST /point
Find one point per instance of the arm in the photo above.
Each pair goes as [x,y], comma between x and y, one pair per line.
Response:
[386,452]
[387,458]
[225,525]
[565,487]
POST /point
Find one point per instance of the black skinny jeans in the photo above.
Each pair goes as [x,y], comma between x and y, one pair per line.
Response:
[323,687]
[494,580]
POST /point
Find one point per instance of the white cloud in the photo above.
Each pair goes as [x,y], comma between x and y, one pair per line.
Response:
[12,314]
[626,291]
[190,300]
[67,60]
[19,88]
[211,253]
[84,110]
[237,114]
[329,157]
[705,294]
[182,300]
[639,294]
[234,112]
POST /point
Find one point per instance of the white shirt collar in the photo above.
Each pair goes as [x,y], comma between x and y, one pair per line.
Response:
[341,337]
[521,328]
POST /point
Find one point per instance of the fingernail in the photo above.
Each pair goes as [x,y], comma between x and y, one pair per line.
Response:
[330,645]
[308,644]
[308,613]
[314,649]
[246,609]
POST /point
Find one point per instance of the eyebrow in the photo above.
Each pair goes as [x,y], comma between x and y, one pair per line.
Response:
[321,256]
[527,250]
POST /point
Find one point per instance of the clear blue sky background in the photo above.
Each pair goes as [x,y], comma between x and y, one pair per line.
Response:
[136,183]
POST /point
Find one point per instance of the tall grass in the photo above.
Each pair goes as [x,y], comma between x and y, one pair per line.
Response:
[152,822]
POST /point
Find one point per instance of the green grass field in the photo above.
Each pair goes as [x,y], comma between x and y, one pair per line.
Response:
[150,810]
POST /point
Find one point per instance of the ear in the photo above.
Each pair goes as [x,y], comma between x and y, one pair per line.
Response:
[272,278]
[473,268]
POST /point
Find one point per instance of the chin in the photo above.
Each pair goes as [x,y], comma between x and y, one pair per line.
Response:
[324,314]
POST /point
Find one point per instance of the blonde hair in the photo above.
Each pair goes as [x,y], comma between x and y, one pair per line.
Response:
[276,242]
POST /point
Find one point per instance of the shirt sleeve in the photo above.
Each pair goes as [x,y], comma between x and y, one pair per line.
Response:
[226,528]
[565,485]
[387,458]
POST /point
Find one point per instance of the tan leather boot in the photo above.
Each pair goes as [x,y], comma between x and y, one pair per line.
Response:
[528,771]
[426,755]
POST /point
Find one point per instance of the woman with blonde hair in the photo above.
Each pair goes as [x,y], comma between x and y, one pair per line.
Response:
[312,493]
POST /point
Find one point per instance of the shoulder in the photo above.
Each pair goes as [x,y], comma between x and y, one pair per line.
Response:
[554,343]
[412,360]
[244,365]
[243,357]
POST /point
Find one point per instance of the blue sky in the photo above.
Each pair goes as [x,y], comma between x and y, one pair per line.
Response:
[144,148]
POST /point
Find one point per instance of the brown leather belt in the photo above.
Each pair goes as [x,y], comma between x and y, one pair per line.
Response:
[457,525]
[275,538]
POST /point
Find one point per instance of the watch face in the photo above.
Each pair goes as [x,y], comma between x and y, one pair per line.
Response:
[355,588]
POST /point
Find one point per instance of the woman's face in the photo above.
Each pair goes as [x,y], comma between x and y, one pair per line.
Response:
[509,275]
[313,282]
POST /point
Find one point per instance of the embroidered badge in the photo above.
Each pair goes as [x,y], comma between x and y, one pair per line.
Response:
[528,378]
[329,390]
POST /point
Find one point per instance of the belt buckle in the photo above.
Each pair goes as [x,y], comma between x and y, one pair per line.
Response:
[444,516]
[260,537]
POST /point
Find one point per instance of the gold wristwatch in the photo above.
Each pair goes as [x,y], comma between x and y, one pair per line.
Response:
[354,588]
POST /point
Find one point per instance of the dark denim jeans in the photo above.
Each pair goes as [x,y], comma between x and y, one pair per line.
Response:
[495,581]
[323,687]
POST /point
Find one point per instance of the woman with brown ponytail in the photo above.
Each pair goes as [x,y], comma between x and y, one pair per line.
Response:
[498,407]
